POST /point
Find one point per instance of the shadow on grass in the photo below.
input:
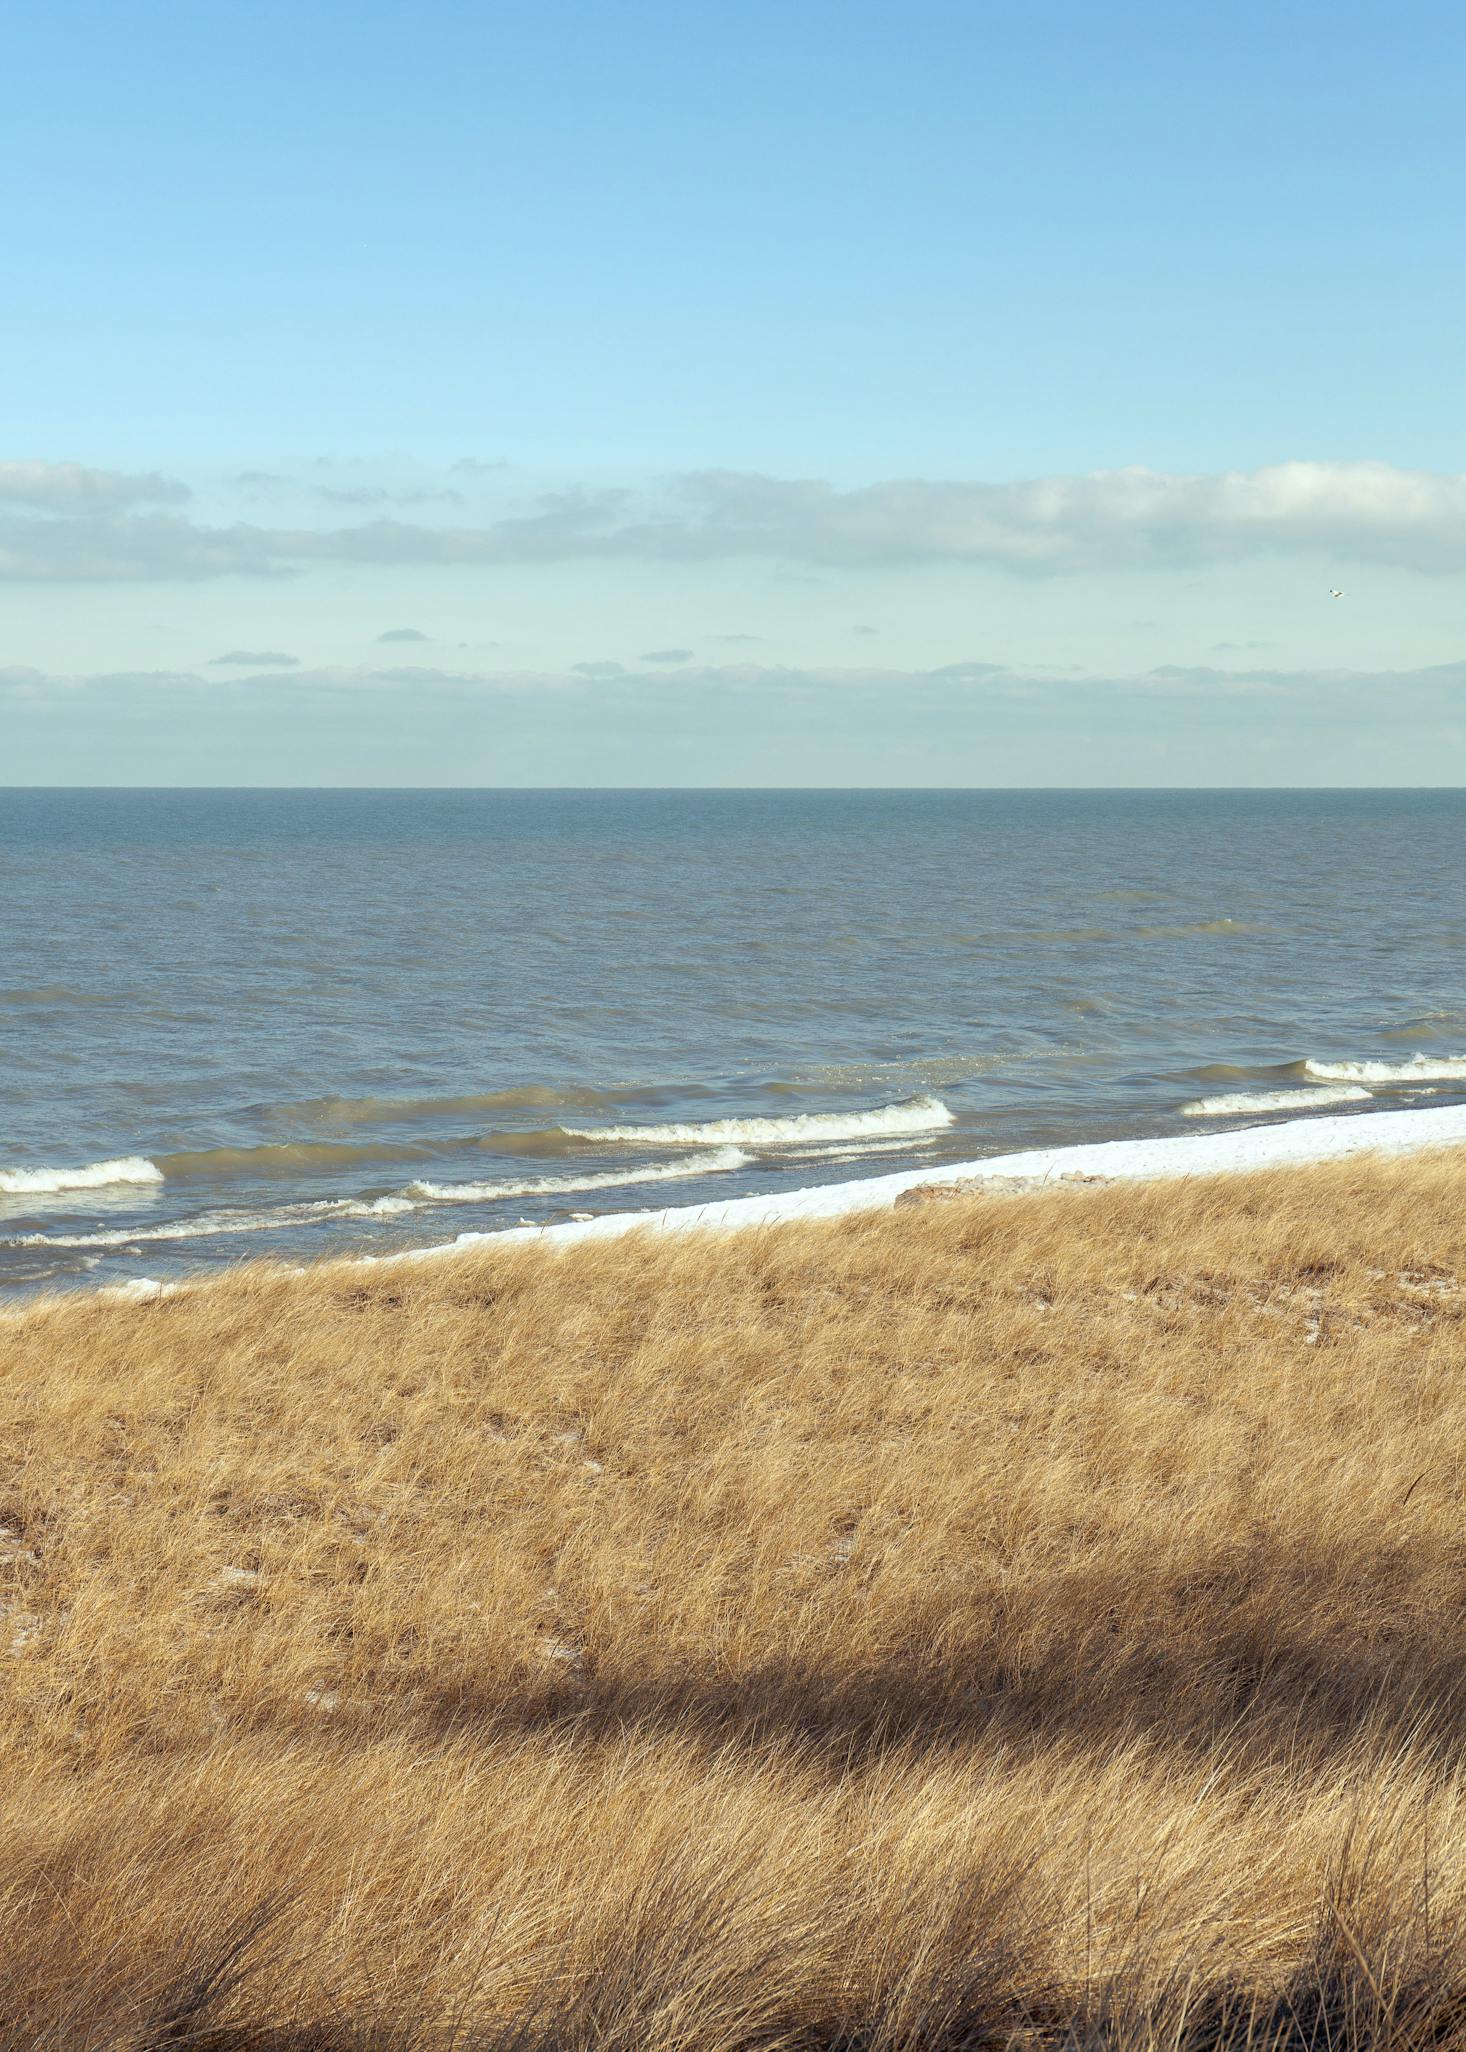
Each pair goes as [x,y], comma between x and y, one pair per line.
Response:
[1341,2000]
[1261,1651]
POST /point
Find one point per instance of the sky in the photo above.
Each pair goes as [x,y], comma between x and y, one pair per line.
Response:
[795,394]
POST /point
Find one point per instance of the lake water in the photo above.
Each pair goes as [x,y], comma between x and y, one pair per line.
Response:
[295,1023]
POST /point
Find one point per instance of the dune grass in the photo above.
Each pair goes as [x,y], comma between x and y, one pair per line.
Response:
[1028,1621]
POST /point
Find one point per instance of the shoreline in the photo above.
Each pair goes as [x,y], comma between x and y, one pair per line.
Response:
[1173,1156]
[1288,1143]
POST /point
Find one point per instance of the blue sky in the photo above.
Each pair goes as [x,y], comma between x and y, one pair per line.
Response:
[794,360]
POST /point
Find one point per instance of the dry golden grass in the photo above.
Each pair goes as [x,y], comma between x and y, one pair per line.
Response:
[1029,1621]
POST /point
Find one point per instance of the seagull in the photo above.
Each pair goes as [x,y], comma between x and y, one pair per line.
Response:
[1335,594]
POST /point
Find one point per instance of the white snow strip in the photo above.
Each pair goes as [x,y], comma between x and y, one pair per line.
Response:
[1183,1154]
[1241,1102]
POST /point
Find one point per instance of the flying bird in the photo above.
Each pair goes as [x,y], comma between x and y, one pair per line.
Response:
[1335,594]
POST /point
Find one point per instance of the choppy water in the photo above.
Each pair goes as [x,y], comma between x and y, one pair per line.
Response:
[242,1023]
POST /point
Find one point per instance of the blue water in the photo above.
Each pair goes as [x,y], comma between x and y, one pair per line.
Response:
[292,1009]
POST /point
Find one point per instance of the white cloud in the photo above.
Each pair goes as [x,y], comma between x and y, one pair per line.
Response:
[80,525]
[1123,519]
[130,548]
[382,495]
[72,488]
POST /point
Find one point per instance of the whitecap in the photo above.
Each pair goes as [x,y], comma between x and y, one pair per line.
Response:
[1421,1068]
[915,1115]
[95,1175]
[566,1186]
[1241,1102]
[853,1150]
[210,1225]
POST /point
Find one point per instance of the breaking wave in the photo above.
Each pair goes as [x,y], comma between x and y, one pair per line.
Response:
[916,1115]
[1421,1068]
[211,1224]
[96,1175]
[861,1150]
[567,1186]
[1241,1102]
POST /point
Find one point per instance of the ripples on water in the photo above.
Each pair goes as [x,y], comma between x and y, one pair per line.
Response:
[303,1023]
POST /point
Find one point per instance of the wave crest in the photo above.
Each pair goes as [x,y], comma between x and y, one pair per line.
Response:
[1420,1068]
[211,1225]
[1239,1103]
[915,1115]
[95,1175]
[567,1186]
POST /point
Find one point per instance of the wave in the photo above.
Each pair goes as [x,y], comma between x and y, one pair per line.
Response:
[916,1115]
[50,995]
[96,1175]
[1240,1102]
[387,1111]
[213,1224]
[293,1157]
[860,1150]
[1420,1068]
[566,1186]
[916,1072]
[1189,929]
[1427,1026]
[1194,927]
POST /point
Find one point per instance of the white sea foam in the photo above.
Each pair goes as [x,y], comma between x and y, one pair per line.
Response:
[861,1150]
[566,1186]
[96,1175]
[1241,1102]
[211,1224]
[915,1115]
[1421,1068]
